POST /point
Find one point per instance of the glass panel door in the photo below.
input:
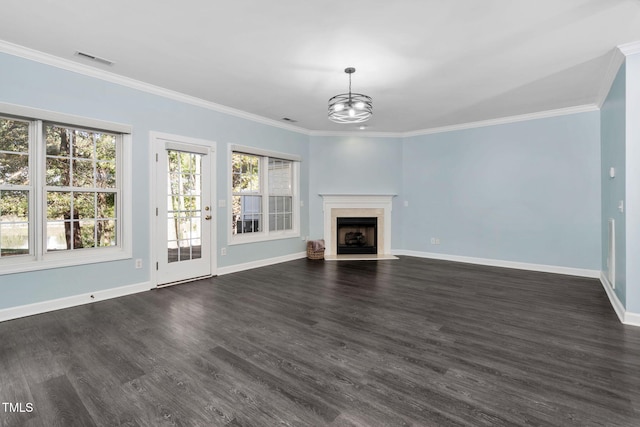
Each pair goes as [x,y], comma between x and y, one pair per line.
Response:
[184,214]
[184,206]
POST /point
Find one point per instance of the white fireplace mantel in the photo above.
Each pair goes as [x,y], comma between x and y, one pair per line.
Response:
[377,205]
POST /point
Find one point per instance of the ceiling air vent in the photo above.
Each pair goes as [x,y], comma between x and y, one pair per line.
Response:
[94,58]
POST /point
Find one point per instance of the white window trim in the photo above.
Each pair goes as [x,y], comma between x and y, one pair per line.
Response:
[40,260]
[29,113]
[264,235]
[263,152]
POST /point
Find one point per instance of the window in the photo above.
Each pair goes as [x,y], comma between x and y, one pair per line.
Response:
[81,189]
[264,195]
[184,190]
[280,194]
[61,194]
[247,193]
[15,188]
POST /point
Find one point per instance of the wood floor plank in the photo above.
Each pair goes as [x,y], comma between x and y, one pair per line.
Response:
[311,403]
[339,386]
[14,387]
[58,404]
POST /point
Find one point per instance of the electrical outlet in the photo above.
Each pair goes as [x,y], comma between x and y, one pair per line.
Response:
[138,263]
[435,240]
[223,251]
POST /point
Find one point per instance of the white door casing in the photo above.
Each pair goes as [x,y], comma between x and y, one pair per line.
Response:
[183,232]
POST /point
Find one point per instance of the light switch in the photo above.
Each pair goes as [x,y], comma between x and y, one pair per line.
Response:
[222,203]
[621,206]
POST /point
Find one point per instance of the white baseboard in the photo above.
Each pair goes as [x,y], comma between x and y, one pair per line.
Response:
[613,298]
[626,317]
[593,274]
[632,319]
[72,301]
[259,263]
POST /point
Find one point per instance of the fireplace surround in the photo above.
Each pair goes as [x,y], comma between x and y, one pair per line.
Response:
[357,206]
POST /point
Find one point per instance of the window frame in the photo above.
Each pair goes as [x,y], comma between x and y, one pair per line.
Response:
[266,234]
[38,257]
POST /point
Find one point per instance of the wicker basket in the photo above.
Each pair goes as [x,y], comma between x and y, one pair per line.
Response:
[311,254]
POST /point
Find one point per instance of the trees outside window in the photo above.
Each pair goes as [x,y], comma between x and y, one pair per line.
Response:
[263,201]
[81,188]
[60,190]
[247,193]
[15,188]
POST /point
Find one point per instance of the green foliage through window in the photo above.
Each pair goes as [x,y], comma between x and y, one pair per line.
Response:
[254,191]
[14,187]
[81,183]
[184,202]
[80,187]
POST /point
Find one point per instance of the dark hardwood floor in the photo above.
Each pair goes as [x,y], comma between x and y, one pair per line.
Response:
[313,343]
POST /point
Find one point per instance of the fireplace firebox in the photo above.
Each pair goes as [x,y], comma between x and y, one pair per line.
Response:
[357,235]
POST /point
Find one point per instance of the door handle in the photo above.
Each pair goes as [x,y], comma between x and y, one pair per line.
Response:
[208,217]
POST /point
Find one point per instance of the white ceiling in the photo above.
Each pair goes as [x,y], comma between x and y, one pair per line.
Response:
[426,63]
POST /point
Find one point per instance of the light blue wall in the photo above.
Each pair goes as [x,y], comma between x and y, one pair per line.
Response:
[355,165]
[632,182]
[36,85]
[612,122]
[523,192]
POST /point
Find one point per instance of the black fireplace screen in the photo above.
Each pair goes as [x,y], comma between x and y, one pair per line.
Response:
[357,235]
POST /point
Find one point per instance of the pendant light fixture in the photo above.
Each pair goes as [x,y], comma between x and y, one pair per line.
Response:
[350,107]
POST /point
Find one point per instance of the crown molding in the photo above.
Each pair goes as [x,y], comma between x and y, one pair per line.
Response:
[471,125]
[68,65]
[506,120]
[629,48]
[617,59]
[615,62]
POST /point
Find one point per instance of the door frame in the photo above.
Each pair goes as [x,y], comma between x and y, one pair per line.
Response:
[157,142]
